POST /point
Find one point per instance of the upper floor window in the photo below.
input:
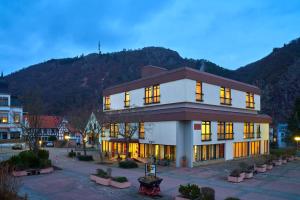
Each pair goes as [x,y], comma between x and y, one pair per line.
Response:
[225,131]
[114,130]
[258,132]
[107,103]
[127,129]
[249,100]
[206,131]
[127,100]
[199,94]
[248,130]
[225,96]
[103,131]
[152,94]
[17,118]
[4,118]
[3,101]
[141,130]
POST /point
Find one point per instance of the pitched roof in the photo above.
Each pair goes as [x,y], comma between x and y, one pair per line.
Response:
[47,121]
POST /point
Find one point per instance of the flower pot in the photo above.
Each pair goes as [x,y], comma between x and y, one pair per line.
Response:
[261,169]
[99,180]
[269,167]
[249,175]
[19,173]
[179,197]
[235,179]
[46,170]
[120,185]
[277,162]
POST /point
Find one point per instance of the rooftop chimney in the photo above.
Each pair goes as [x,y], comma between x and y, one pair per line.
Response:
[150,70]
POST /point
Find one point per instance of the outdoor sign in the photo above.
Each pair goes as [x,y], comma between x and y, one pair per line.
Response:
[150,169]
[197,127]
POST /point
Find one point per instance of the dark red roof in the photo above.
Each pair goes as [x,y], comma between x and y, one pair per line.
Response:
[48,121]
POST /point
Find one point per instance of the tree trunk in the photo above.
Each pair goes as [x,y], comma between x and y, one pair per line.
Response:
[84,148]
[127,148]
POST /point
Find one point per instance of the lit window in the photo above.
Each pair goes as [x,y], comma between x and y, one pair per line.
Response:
[248,130]
[16,118]
[152,94]
[206,131]
[199,94]
[127,100]
[4,118]
[107,103]
[141,130]
[250,100]
[3,101]
[103,131]
[114,130]
[225,96]
[127,129]
[225,131]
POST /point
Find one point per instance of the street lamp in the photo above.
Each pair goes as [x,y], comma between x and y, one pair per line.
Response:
[297,139]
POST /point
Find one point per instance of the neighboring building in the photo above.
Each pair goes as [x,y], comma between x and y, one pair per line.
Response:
[11,115]
[186,113]
[282,134]
[93,130]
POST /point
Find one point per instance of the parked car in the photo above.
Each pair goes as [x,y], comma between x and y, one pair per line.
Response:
[17,147]
[49,144]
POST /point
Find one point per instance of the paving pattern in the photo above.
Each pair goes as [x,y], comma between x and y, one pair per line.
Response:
[72,182]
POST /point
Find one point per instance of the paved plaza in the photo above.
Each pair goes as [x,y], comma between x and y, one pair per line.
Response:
[72,182]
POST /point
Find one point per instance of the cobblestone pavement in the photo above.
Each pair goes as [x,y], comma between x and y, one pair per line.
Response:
[72,182]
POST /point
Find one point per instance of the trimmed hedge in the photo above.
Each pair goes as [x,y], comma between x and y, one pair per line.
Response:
[85,158]
[193,191]
[72,154]
[127,164]
[101,173]
[120,179]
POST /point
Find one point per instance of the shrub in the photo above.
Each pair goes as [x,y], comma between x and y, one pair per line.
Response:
[45,163]
[235,173]
[232,198]
[72,154]
[128,164]
[29,159]
[85,158]
[190,191]
[101,173]
[207,193]
[120,179]
[52,138]
[43,154]
[243,166]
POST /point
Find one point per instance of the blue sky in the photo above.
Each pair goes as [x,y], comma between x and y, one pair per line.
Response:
[228,33]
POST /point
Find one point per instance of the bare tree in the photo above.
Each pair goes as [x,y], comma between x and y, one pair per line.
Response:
[127,130]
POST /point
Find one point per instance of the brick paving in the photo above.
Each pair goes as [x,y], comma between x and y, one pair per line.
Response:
[72,182]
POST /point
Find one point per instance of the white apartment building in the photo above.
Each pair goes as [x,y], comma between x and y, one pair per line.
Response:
[186,113]
[11,115]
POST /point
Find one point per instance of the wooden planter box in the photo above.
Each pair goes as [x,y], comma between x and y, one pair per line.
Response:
[120,185]
[99,180]
[277,162]
[19,173]
[261,169]
[46,170]
[249,175]
[179,197]
[269,167]
[235,179]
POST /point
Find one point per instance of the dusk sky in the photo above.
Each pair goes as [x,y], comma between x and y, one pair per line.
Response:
[228,33]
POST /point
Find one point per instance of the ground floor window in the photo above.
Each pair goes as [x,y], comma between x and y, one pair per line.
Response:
[15,135]
[208,152]
[3,135]
[266,147]
[240,149]
[254,148]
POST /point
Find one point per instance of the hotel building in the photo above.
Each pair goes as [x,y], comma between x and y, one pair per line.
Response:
[185,114]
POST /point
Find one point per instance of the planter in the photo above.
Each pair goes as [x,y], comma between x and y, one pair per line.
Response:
[249,175]
[269,167]
[19,173]
[120,185]
[150,188]
[242,174]
[284,161]
[291,158]
[99,180]
[261,169]
[46,170]
[179,197]
[277,162]
[235,179]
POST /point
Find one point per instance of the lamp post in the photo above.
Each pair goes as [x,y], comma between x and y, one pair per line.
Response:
[297,139]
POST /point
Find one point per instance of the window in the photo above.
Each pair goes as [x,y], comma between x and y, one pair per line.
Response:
[225,130]
[206,131]
[127,129]
[16,118]
[152,94]
[103,131]
[3,101]
[254,148]
[266,146]
[208,152]
[107,103]
[199,94]
[114,130]
[225,96]
[240,149]
[3,118]
[248,130]
[249,100]
[141,130]
[127,100]
[258,132]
